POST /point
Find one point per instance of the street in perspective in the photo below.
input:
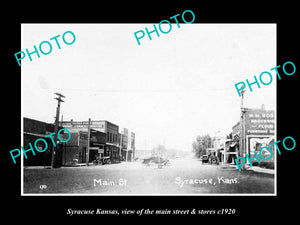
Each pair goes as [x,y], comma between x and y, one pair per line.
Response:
[137,179]
[111,117]
[107,162]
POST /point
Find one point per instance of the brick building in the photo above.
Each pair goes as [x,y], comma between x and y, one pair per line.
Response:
[127,144]
[257,129]
[104,140]
[34,129]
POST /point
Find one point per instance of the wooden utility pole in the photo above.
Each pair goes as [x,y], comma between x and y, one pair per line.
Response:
[242,130]
[88,143]
[61,120]
[126,154]
[121,140]
[53,155]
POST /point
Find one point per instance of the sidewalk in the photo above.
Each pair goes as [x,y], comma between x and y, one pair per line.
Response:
[228,166]
[36,167]
[261,170]
[253,168]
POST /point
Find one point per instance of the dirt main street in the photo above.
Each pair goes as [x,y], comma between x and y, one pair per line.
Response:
[183,176]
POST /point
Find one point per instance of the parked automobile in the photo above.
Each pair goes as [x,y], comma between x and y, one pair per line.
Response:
[102,160]
[159,161]
[205,159]
[214,160]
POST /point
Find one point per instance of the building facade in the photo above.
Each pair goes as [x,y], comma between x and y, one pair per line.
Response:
[255,130]
[33,130]
[104,140]
[225,149]
[127,145]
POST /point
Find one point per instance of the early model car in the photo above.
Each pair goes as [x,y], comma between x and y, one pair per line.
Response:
[214,160]
[205,159]
[102,160]
[160,162]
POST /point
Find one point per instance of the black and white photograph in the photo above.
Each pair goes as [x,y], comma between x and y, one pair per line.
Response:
[141,109]
[149,111]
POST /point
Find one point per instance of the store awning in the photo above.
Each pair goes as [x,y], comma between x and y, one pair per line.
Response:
[112,145]
[37,135]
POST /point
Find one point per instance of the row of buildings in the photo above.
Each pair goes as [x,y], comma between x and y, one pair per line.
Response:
[255,129]
[106,139]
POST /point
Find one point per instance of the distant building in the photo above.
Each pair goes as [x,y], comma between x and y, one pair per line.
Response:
[124,143]
[128,145]
[132,139]
[225,149]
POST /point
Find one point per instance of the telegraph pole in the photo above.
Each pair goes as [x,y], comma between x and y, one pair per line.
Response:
[126,155]
[120,151]
[59,100]
[242,130]
[88,143]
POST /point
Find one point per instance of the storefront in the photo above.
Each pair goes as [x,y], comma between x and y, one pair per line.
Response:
[76,149]
[225,149]
[97,144]
[260,129]
[231,151]
[40,158]
[127,155]
[113,152]
[34,129]
[128,145]
[256,130]
[256,142]
[104,141]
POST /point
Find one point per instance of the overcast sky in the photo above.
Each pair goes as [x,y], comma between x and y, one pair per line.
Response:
[167,90]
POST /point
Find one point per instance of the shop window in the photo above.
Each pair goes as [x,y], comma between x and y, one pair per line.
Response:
[109,137]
